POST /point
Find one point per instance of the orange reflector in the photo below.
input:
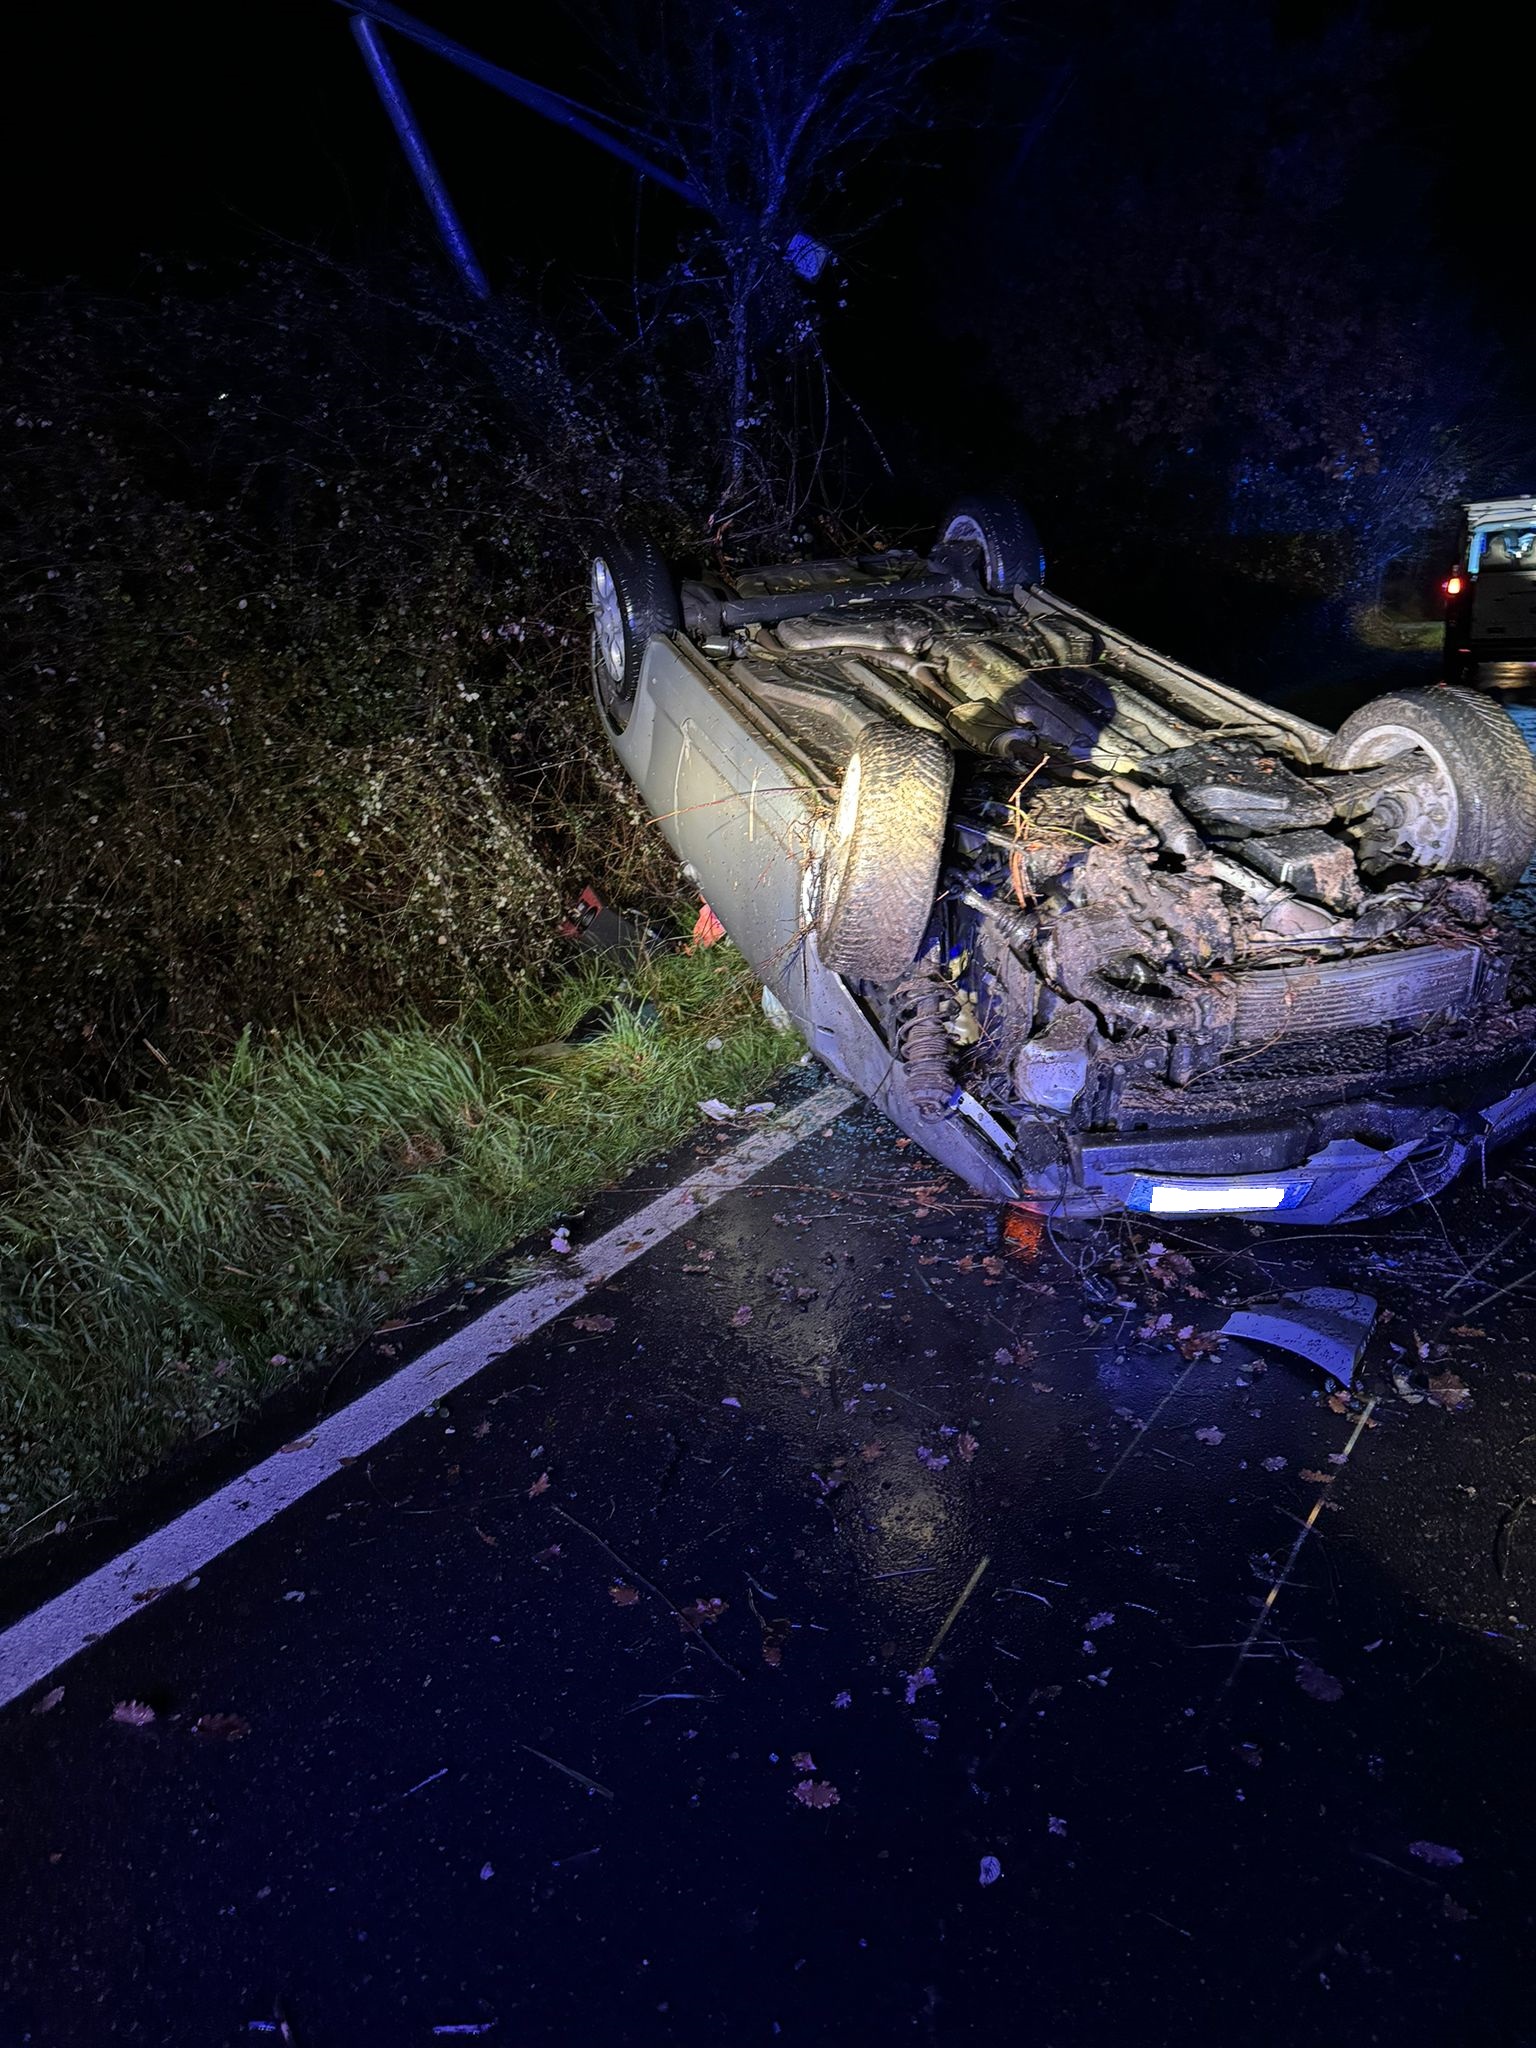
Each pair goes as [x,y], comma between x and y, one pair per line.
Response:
[1022,1232]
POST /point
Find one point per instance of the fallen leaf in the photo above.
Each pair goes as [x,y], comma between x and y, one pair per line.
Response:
[842,1699]
[133,1713]
[991,1870]
[700,1614]
[918,1681]
[300,1443]
[481,1430]
[48,1701]
[1468,1330]
[550,1556]
[742,1317]
[1199,1343]
[1317,1478]
[804,1761]
[870,1451]
[717,1111]
[1448,1390]
[929,1730]
[623,1596]
[599,1324]
[1435,1852]
[1338,1404]
[221,1727]
[816,1792]
[1274,1464]
[540,1485]
[966,1447]
[776,1634]
[1209,1436]
[1317,1683]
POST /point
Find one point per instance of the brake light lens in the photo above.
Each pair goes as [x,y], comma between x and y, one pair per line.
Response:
[1454,584]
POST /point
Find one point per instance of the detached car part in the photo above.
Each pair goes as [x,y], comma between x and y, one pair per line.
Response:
[1097,930]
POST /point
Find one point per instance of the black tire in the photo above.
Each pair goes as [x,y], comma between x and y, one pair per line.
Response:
[882,861]
[1478,751]
[1011,553]
[633,598]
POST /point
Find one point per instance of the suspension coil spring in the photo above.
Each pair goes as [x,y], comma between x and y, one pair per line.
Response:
[922,1043]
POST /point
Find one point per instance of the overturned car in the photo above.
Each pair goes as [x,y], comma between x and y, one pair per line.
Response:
[1097,931]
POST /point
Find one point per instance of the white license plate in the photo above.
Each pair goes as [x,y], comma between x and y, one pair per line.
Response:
[1215,1197]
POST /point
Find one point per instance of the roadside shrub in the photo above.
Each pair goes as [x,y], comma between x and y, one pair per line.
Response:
[294,717]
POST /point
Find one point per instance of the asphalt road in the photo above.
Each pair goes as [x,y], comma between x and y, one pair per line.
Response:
[650,1754]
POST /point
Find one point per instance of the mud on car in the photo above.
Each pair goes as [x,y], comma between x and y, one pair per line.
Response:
[1097,931]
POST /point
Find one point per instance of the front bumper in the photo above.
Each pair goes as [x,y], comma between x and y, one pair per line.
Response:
[1320,1168]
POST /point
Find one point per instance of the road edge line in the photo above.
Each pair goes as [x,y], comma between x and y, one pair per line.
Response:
[37,1644]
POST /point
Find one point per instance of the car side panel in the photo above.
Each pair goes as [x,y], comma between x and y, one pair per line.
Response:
[742,816]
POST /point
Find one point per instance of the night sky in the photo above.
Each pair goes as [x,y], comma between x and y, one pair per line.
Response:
[201,128]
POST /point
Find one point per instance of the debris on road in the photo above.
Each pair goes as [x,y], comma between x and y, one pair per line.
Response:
[717,1111]
[133,1713]
[991,1870]
[1327,1326]
[816,1792]
[701,1614]
[1435,1852]
[221,1727]
[1317,1683]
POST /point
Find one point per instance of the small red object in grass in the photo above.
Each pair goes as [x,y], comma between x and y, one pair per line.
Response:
[707,931]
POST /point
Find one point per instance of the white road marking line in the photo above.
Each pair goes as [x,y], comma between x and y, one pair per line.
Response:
[41,1641]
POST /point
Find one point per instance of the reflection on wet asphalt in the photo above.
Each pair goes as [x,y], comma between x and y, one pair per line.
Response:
[970,1748]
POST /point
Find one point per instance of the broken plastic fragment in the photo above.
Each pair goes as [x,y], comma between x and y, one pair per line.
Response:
[1327,1326]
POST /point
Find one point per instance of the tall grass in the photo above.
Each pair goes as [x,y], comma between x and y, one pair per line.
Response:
[164,1269]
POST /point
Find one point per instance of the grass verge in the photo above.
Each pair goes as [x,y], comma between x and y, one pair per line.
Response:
[163,1270]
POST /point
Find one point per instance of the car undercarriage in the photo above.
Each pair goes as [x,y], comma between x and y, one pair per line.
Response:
[1103,919]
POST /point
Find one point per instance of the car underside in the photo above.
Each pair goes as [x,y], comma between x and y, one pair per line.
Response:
[1097,930]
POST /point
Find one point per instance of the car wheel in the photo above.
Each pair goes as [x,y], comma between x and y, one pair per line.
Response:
[884,847]
[1475,812]
[633,599]
[1010,544]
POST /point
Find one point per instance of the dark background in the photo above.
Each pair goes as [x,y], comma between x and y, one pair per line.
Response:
[207,130]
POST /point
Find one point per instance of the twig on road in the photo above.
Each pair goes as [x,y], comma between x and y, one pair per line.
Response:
[949,1620]
[580,1776]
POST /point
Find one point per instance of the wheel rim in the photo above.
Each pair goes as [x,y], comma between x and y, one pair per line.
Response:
[1423,819]
[964,527]
[608,621]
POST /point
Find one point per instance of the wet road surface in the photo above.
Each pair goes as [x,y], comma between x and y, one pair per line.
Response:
[885,1658]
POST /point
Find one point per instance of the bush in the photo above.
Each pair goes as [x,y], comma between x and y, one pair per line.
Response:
[294,718]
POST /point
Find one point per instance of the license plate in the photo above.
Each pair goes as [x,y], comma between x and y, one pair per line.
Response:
[1215,1197]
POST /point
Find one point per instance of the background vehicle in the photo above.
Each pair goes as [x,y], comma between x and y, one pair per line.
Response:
[1490,595]
[1098,931]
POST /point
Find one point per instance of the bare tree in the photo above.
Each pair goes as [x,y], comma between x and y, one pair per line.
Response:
[769,110]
